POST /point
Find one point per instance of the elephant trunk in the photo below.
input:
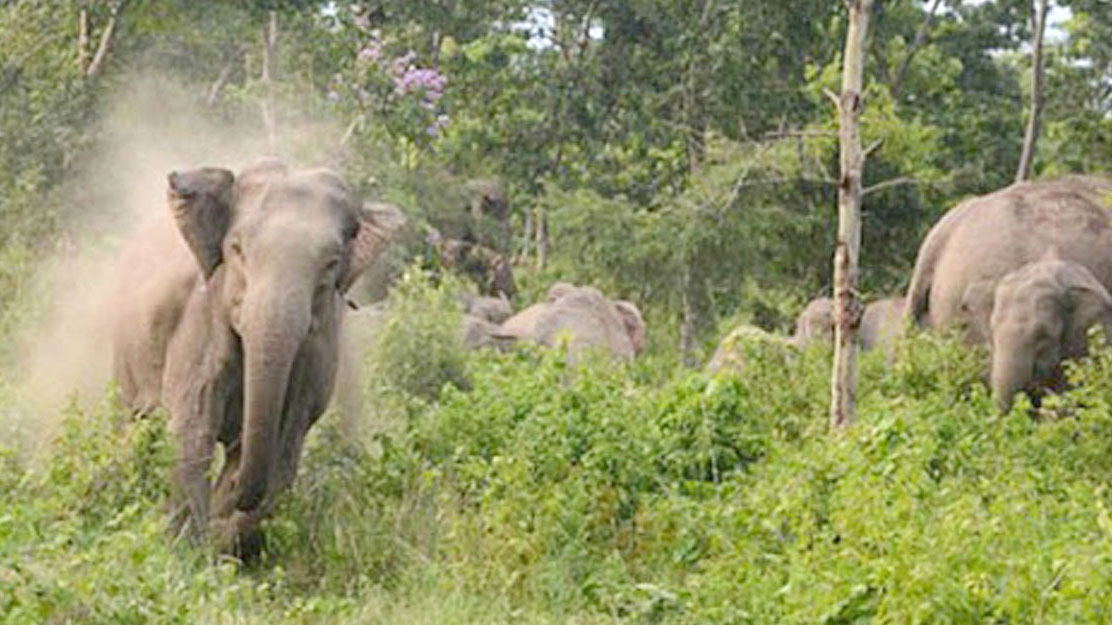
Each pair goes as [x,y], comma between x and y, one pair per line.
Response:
[276,322]
[1011,372]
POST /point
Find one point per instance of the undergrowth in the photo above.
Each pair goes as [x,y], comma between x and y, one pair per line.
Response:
[540,492]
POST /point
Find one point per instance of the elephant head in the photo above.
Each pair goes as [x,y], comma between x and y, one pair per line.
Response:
[276,249]
[634,324]
[1040,315]
[816,323]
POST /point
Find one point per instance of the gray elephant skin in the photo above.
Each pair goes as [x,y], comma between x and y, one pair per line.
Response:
[1038,316]
[229,315]
[585,317]
[880,323]
[984,238]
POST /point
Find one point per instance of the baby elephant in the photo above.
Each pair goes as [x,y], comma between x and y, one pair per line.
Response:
[1039,317]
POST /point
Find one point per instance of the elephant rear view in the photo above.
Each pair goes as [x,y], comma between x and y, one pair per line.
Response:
[246,352]
[984,238]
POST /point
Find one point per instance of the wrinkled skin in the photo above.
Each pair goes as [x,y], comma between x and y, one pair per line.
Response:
[984,238]
[242,348]
[1038,317]
[583,315]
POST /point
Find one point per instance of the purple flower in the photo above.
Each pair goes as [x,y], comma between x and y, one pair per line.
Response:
[434,128]
[414,79]
[371,52]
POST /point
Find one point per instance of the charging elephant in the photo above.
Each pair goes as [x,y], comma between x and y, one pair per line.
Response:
[1038,316]
[984,238]
[229,316]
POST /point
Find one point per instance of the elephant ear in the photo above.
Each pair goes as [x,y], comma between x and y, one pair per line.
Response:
[1087,301]
[379,224]
[200,201]
[634,324]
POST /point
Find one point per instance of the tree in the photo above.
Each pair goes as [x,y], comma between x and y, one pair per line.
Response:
[847,307]
[1031,135]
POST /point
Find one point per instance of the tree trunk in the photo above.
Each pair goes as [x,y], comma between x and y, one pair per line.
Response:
[83,40]
[270,40]
[542,237]
[105,45]
[688,327]
[1031,135]
[847,308]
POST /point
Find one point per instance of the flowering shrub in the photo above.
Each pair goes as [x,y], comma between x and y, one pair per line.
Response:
[396,91]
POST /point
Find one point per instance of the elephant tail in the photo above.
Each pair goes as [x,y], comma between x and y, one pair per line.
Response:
[922,277]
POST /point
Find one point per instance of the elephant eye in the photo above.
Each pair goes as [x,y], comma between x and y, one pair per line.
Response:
[236,248]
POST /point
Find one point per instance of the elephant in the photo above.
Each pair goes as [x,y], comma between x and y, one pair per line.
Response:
[982,239]
[585,316]
[1038,316]
[489,270]
[488,209]
[229,316]
[816,323]
[881,323]
[733,351]
[492,309]
[481,316]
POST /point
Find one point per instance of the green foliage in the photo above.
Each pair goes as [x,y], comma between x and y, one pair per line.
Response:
[416,348]
[559,493]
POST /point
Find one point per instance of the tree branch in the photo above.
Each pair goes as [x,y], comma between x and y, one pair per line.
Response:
[916,45]
[894,182]
[270,39]
[218,84]
[105,45]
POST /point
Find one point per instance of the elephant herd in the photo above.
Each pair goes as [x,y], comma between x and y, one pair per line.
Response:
[1025,271]
[230,307]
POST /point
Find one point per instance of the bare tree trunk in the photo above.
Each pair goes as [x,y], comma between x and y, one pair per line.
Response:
[83,40]
[105,45]
[527,234]
[270,40]
[847,307]
[542,237]
[688,327]
[1031,135]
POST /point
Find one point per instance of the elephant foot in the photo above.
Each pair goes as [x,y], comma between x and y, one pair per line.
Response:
[238,536]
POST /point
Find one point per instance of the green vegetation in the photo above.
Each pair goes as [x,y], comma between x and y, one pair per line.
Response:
[678,154]
[549,494]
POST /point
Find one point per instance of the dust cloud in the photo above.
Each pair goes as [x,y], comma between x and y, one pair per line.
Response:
[152,125]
